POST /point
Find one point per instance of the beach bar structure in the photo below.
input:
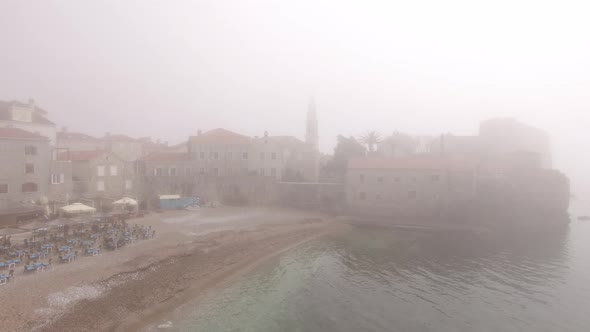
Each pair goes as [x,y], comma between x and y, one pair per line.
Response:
[175,202]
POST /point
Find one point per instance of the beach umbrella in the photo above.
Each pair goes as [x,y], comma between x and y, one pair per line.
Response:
[77,208]
[126,201]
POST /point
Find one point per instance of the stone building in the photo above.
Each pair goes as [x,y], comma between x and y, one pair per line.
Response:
[221,152]
[164,173]
[24,173]
[126,148]
[24,166]
[74,141]
[28,117]
[422,187]
[180,147]
[503,136]
[150,146]
[100,176]
[60,183]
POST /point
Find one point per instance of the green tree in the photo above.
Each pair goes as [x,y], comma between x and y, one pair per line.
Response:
[346,148]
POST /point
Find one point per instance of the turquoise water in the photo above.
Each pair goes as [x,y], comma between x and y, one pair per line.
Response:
[377,279]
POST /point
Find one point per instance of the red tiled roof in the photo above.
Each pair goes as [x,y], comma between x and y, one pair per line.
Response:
[80,155]
[416,163]
[220,136]
[121,138]
[181,144]
[153,145]
[76,136]
[16,133]
[166,156]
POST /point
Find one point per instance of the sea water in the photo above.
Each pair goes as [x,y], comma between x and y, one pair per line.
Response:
[383,279]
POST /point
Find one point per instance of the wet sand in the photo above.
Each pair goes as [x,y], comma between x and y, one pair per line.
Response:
[138,285]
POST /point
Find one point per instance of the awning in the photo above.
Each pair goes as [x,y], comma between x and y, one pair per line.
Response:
[169,196]
[77,208]
[126,201]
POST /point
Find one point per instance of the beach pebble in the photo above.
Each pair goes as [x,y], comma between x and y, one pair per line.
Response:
[166,325]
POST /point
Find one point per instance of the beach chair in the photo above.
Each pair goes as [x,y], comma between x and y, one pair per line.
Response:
[3,280]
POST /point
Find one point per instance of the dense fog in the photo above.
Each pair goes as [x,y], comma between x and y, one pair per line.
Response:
[165,69]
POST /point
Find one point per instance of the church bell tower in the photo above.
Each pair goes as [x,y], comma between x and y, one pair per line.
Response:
[311,134]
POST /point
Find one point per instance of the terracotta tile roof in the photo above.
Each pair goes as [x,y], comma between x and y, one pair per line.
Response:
[76,136]
[181,144]
[220,136]
[166,157]
[288,140]
[153,145]
[16,133]
[416,163]
[80,155]
[123,138]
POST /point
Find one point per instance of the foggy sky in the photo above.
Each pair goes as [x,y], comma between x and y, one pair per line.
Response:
[165,68]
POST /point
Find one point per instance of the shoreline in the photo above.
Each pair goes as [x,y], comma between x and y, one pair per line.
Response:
[193,252]
[157,314]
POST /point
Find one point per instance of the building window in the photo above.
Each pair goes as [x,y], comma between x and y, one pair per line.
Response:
[100,170]
[379,179]
[172,171]
[3,188]
[362,178]
[229,156]
[273,156]
[99,185]
[202,155]
[435,177]
[262,172]
[57,178]
[29,168]
[261,155]
[412,194]
[245,155]
[273,172]
[128,184]
[158,171]
[216,155]
[378,197]
[216,171]
[362,195]
[396,179]
[30,150]
[29,187]
[114,170]
[201,171]
[187,171]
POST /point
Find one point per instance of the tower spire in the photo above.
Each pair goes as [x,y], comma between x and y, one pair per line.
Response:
[311,134]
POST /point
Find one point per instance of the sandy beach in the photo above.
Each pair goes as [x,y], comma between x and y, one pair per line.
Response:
[135,286]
